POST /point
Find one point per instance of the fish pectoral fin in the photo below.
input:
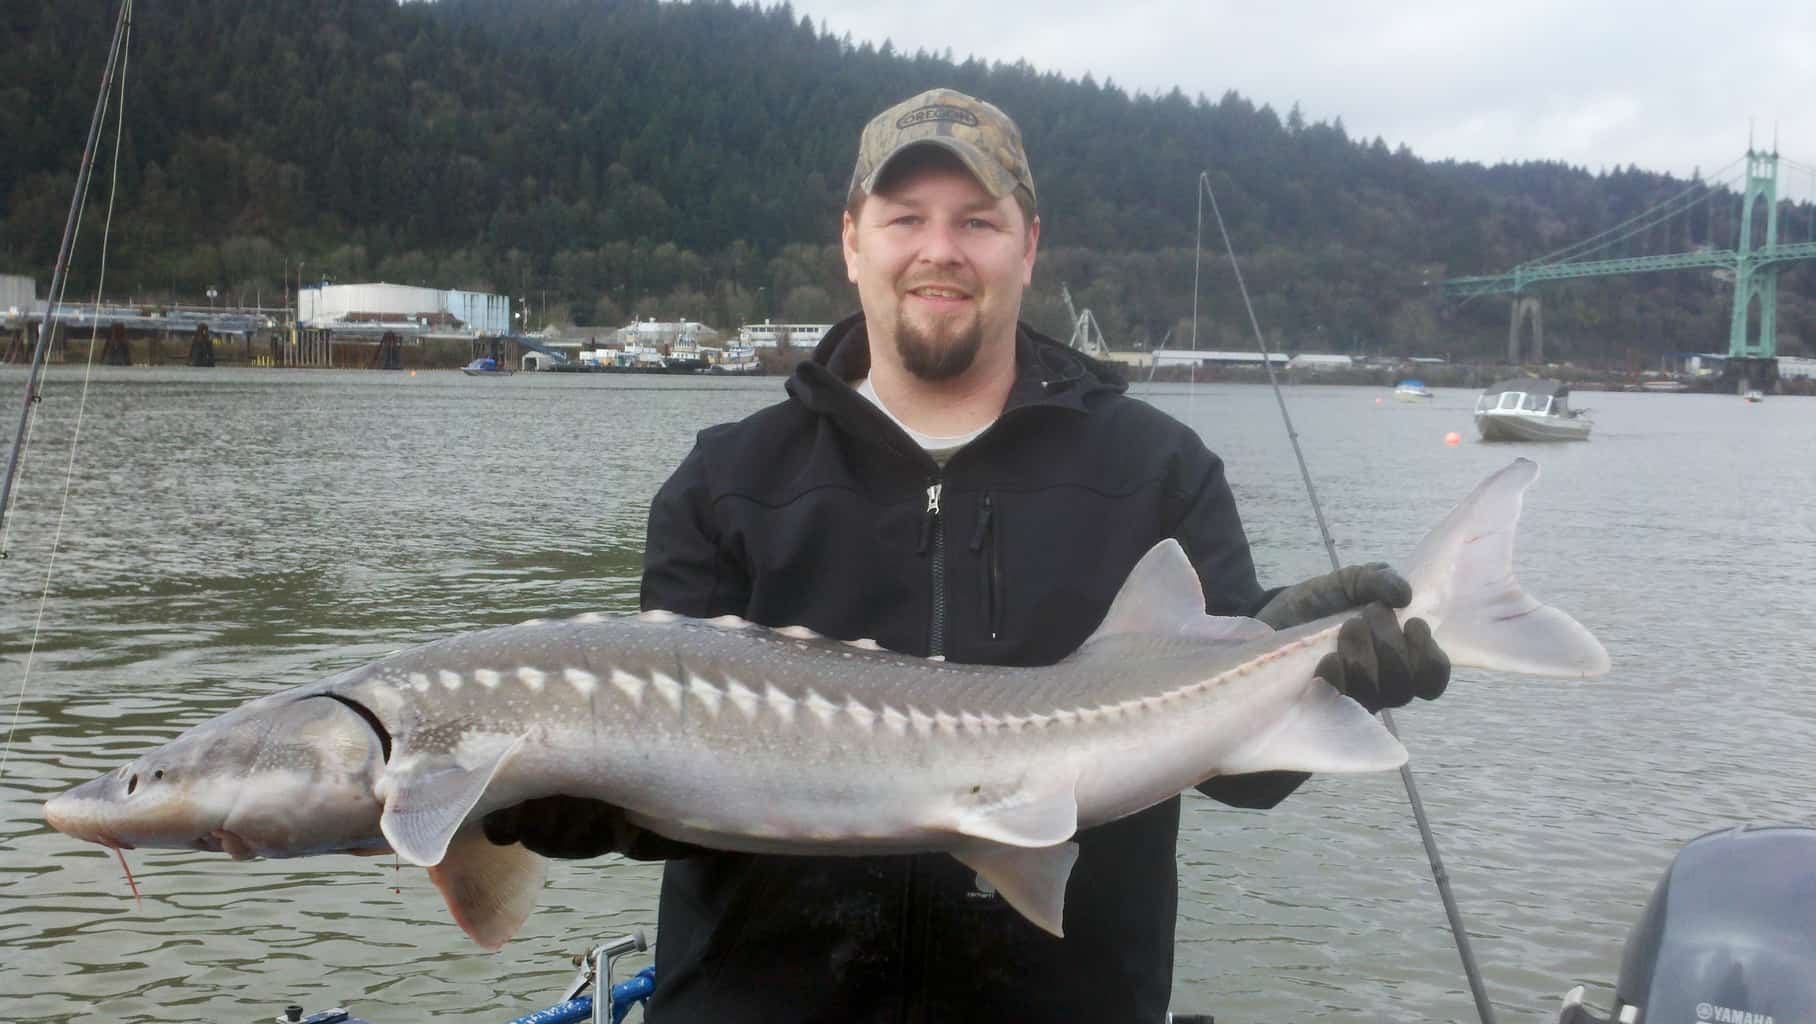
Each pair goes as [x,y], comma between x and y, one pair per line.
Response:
[1323,731]
[428,800]
[1032,880]
[490,889]
[1028,818]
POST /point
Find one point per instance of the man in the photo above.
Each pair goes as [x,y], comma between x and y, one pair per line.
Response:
[948,482]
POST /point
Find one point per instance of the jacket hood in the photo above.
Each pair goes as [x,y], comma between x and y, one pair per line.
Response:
[1046,372]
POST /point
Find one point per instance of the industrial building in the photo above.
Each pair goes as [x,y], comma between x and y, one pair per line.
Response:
[768,335]
[401,309]
[18,296]
[1318,362]
[652,333]
[1206,357]
[1796,368]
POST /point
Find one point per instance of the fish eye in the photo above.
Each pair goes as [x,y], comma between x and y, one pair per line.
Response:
[158,774]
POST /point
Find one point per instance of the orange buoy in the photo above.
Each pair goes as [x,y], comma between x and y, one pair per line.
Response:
[1453,439]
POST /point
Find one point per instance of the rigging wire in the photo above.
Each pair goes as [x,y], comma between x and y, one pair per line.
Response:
[53,303]
[59,274]
[1457,929]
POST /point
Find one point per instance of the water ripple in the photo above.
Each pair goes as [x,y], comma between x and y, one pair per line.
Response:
[233,533]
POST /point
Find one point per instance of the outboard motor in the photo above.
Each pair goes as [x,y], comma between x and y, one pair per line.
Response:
[1729,936]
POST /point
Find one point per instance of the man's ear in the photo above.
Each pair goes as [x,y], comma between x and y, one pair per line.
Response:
[848,243]
[1028,260]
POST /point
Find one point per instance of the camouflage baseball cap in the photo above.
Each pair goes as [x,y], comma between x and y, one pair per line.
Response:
[976,132]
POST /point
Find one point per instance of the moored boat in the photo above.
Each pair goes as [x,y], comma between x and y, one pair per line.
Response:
[486,366]
[1529,409]
[1753,395]
[1412,391]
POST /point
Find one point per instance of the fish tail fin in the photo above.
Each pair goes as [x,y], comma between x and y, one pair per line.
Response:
[1464,587]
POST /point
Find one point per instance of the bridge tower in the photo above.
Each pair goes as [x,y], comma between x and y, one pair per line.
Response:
[1526,308]
[1752,359]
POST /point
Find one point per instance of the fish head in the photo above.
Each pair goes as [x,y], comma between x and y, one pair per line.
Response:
[285,776]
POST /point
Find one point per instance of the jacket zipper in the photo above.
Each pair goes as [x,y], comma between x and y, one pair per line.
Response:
[936,633]
[985,534]
[914,976]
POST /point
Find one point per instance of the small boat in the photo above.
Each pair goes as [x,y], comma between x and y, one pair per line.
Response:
[1412,391]
[1530,409]
[486,366]
[1753,395]
[1669,387]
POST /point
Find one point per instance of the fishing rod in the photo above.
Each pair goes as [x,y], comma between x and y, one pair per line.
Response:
[1457,930]
[53,299]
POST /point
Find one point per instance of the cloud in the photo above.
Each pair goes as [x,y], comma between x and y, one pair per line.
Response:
[1599,85]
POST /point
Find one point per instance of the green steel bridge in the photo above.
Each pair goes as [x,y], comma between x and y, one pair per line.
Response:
[1754,262]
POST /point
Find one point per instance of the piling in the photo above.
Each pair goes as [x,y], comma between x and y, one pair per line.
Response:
[201,347]
[114,352]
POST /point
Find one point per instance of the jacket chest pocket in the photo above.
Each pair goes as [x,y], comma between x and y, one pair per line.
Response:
[1039,569]
[983,549]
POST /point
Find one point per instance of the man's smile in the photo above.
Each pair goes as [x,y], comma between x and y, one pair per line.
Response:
[940,297]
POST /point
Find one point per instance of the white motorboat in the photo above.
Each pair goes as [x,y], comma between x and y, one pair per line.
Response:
[1412,391]
[1753,395]
[1530,409]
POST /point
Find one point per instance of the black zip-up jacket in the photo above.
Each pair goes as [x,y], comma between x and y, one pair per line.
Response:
[818,512]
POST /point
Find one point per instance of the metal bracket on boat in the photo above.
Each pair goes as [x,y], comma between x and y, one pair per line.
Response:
[338,1015]
[596,972]
[1576,1011]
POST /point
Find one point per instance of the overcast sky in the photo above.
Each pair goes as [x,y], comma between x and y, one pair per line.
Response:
[1667,86]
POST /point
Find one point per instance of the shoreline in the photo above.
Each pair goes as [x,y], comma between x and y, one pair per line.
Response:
[266,351]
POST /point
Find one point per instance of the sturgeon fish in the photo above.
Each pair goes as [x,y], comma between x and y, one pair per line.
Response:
[739,737]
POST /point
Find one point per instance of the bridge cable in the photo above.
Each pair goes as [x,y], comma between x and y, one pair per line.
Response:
[1706,186]
[1457,929]
[1578,248]
[1808,203]
[53,303]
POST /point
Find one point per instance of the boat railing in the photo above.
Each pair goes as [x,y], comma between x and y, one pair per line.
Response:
[577,1005]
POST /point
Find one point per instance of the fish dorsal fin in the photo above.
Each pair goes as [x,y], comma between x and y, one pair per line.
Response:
[490,889]
[1322,731]
[1033,881]
[428,797]
[1162,596]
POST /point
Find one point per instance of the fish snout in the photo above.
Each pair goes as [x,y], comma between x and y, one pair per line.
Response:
[133,806]
[80,812]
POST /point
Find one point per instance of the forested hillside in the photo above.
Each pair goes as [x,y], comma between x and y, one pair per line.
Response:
[690,159]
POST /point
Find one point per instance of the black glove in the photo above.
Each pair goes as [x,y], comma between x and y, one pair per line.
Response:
[1379,663]
[567,827]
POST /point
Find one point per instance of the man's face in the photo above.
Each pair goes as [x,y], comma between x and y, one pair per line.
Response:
[940,267]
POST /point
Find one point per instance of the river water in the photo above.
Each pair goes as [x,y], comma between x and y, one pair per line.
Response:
[231,532]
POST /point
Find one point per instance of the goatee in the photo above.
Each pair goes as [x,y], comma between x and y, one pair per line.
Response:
[926,357]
